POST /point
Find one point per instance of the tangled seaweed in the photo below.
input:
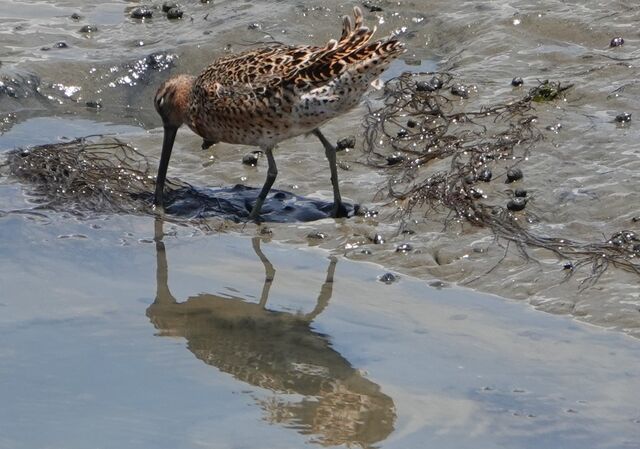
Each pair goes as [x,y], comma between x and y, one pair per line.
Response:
[107,175]
[437,150]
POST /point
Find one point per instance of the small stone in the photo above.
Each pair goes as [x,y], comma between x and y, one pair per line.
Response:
[411,123]
[425,86]
[254,26]
[316,235]
[520,193]
[76,16]
[94,104]
[616,42]
[89,29]
[404,248]
[251,159]
[460,90]
[142,12]
[437,284]
[346,143]
[636,219]
[402,133]
[517,204]
[371,7]
[388,278]
[174,13]
[60,45]
[395,159]
[485,175]
[568,266]
[370,213]
[436,82]
[517,82]
[166,6]
[377,239]
[476,193]
[624,117]
[513,174]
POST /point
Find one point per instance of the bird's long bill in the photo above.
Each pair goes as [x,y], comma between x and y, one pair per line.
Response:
[167,146]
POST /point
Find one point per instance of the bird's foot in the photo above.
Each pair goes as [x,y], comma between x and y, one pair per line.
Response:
[339,210]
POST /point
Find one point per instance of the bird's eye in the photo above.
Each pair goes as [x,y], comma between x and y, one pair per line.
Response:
[160,102]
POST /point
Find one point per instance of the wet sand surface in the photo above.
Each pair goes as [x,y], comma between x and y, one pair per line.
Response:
[114,339]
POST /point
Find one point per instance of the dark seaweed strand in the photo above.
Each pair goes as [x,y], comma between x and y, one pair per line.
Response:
[471,140]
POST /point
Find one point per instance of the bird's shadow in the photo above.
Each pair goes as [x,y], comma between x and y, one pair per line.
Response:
[314,389]
[235,203]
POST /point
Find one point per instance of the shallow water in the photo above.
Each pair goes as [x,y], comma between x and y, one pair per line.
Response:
[229,341]
[99,348]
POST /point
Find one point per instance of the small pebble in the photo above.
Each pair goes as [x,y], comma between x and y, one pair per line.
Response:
[520,193]
[636,219]
[554,128]
[254,26]
[141,12]
[436,83]
[166,6]
[517,82]
[174,13]
[89,29]
[425,86]
[93,104]
[76,16]
[395,158]
[437,284]
[517,204]
[514,174]
[60,45]
[411,123]
[251,158]
[476,193]
[372,8]
[624,117]
[485,175]
[568,266]
[402,133]
[316,235]
[388,278]
[460,90]
[616,42]
[345,143]
[404,248]
[377,239]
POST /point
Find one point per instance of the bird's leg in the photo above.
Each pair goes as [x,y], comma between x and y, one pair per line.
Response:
[330,152]
[272,172]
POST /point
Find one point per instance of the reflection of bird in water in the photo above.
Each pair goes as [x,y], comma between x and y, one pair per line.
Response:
[280,352]
[270,94]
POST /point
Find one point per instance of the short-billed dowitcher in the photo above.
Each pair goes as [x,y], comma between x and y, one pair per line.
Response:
[266,95]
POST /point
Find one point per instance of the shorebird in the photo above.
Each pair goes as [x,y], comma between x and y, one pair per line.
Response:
[266,95]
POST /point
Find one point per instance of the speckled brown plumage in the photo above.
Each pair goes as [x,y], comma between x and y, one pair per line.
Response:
[264,96]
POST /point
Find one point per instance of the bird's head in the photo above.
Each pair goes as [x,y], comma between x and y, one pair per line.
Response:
[172,100]
[172,103]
